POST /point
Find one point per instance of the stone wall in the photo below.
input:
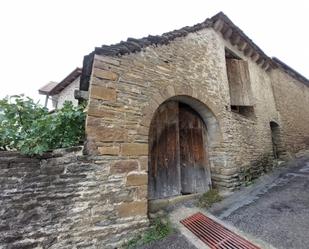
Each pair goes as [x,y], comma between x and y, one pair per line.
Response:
[292,102]
[126,91]
[62,202]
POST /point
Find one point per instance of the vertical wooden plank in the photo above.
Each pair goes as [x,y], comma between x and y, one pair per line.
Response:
[164,172]
[195,177]
[239,82]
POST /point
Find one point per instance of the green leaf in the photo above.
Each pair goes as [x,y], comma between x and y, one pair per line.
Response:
[28,127]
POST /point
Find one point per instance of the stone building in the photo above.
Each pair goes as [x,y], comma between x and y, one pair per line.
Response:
[175,114]
[168,116]
[62,91]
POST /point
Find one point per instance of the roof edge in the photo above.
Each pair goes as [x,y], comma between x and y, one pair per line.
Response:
[290,71]
[66,81]
[219,22]
[58,87]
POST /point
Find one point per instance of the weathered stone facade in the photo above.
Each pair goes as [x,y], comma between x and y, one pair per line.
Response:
[130,80]
[125,93]
[292,103]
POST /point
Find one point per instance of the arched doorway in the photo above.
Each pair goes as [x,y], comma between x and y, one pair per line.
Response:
[178,147]
[275,138]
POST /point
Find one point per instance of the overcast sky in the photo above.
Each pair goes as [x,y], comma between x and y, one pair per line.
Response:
[44,40]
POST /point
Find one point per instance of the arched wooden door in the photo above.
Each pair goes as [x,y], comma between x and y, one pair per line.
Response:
[178,156]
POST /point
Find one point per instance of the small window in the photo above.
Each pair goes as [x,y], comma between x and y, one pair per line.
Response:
[239,84]
[247,111]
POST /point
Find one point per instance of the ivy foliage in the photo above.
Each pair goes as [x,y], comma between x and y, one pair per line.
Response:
[29,128]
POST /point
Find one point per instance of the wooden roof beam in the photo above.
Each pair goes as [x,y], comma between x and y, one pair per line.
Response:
[227,34]
[248,51]
[242,45]
[261,60]
[218,25]
[265,65]
[235,39]
[255,56]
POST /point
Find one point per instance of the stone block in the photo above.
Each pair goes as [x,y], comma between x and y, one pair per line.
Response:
[229,171]
[124,166]
[106,60]
[104,74]
[143,162]
[137,179]
[142,192]
[128,209]
[107,134]
[109,150]
[104,93]
[143,130]
[93,121]
[134,149]
[158,98]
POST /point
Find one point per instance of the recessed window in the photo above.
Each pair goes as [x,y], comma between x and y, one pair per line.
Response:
[239,84]
[247,111]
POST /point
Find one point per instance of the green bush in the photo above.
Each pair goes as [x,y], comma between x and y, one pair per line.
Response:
[157,231]
[28,127]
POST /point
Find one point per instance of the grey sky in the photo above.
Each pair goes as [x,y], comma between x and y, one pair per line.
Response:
[43,41]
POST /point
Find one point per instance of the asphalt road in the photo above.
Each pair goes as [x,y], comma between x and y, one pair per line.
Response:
[280,214]
[275,209]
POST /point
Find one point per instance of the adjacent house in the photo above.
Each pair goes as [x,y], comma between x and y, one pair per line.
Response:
[63,91]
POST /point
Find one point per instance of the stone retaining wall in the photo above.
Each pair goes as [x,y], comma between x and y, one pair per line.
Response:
[64,201]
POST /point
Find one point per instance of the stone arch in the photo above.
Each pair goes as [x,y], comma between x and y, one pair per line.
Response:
[209,118]
[203,111]
[192,97]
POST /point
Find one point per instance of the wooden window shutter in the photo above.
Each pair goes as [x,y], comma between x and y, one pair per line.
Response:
[239,82]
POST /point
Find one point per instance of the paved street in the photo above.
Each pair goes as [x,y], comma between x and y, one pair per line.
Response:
[275,209]
[280,216]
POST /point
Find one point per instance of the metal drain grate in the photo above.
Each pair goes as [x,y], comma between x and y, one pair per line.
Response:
[215,235]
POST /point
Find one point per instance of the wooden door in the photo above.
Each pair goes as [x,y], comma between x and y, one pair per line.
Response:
[178,158]
[164,170]
[195,176]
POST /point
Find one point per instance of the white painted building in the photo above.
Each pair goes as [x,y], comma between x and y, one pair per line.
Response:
[63,91]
